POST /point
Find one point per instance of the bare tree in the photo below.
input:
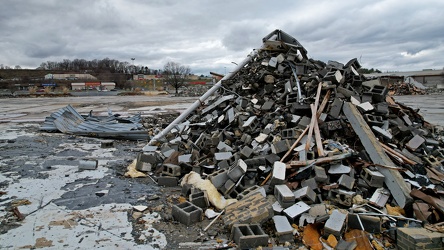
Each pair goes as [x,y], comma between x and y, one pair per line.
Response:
[175,74]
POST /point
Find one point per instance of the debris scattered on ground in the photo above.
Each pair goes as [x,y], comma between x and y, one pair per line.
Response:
[68,120]
[312,142]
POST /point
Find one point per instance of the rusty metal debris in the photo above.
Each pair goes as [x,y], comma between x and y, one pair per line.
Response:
[318,129]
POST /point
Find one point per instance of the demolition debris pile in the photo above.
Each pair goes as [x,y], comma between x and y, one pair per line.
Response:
[310,148]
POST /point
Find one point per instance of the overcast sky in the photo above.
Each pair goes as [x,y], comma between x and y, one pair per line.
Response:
[392,35]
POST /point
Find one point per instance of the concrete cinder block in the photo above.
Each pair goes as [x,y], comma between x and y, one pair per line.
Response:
[167,181]
[219,177]
[187,213]
[277,208]
[220,156]
[415,142]
[248,236]
[305,194]
[254,208]
[284,195]
[320,175]
[336,108]
[310,183]
[373,178]
[237,171]
[342,197]
[365,107]
[227,187]
[246,152]
[278,174]
[346,181]
[380,197]
[250,124]
[171,170]
[186,158]
[296,210]
[283,228]
[199,199]
[335,224]
[280,147]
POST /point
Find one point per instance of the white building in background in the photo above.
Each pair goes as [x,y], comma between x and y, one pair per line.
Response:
[93,85]
[69,76]
[108,85]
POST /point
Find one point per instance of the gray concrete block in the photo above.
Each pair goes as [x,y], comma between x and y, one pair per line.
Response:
[335,224]
[284,195]
[415,142]
[251,190]
[171,169]
[296,210]
[219,178]
[339,169]
[305,194]
[365,107]
[246,152]
[380,197]
[248,236]
[372,178]
[220,156]
[346,181]
[342,197]
[277,208]
[147,162]
[310,183]
[167,181]
[278,174]
[279,147]
[237,171]
[336,108]
[187,213]
[283,229]
[320,175]
[199,199]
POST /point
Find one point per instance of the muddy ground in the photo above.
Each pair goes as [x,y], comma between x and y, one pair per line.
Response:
[33,159]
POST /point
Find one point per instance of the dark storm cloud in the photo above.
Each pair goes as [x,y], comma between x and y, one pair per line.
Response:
[208,36]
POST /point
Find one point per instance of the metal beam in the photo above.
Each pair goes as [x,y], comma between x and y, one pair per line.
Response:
[393,179]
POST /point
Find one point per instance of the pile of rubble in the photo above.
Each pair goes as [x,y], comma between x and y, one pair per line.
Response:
[405,88]
[306,147]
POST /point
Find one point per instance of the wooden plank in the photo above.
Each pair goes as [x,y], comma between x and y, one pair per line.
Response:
[317,133]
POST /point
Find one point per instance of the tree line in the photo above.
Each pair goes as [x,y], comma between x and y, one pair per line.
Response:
[97,66]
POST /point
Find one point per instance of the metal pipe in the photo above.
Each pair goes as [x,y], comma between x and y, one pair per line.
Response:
[201,99]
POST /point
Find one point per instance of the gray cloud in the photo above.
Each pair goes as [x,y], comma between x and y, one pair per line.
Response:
[208,36]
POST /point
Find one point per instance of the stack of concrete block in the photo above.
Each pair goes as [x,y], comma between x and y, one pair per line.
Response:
[261,130]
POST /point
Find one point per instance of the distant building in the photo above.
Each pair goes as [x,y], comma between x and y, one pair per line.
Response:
[428,78]
[70,77]
[93,85]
